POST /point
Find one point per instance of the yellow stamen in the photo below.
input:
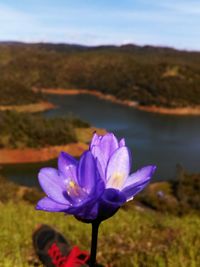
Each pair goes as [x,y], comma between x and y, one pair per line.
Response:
[72,184]
[73,189]
[116,180]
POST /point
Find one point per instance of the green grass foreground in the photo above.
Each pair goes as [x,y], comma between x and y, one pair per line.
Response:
[133,237]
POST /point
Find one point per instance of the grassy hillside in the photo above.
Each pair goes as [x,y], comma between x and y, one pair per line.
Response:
[136,236]
[150,75]
[16,93]
[19,130]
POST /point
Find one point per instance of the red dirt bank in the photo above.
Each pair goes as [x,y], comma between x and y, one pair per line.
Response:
[28,155]
[35,107]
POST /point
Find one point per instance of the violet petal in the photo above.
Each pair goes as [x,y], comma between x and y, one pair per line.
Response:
[110,202]
[118,168]
[122,142]
[140,176]
[52,184]
[67,165]
[48,204]
[137,181]
[89,212]
[99,187]
[130,192]
[95,140]
[101,163]
[108,145]
[87,171]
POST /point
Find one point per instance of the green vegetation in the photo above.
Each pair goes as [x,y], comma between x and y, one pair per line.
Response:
[18,193]
[178,197]
[19,130]
[159,76]
[16,93]
[160,197]
[186,189]
[133,237]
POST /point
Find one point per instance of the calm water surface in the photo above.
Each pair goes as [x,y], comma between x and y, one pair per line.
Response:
[154,139]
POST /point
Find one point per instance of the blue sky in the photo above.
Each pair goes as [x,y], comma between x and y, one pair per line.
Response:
[173,23]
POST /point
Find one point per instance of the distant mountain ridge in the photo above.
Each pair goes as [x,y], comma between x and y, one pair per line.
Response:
[129,47]
[159,76]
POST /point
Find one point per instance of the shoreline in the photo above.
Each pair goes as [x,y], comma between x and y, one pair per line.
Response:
[34,155]
[111,98]
[192,111]
[33,108]
[43,154]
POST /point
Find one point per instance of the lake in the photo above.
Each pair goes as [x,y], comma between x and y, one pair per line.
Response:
[163,140]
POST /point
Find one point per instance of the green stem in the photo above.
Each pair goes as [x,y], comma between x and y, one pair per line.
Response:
[93,252]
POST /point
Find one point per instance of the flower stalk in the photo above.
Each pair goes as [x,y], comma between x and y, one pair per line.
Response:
[95,187]
[93,252]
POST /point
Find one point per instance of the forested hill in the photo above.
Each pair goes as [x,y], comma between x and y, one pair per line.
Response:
[149,75]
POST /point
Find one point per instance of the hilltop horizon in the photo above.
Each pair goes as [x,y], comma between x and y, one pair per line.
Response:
[100,45]
[163,24]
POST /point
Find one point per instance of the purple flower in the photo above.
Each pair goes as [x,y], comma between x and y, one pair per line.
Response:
[95,187]
[114,163]
[74,188]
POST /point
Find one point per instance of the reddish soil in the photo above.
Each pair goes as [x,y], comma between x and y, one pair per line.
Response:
[172,111]
[35,107]
[28,155]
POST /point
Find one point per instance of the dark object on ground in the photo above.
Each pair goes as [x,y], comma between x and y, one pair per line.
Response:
[54,250]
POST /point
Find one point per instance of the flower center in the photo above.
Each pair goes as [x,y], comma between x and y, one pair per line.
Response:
[116,180]
[73,189]
[75,192]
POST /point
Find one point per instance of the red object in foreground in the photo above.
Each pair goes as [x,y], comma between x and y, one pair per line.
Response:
[75,258]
